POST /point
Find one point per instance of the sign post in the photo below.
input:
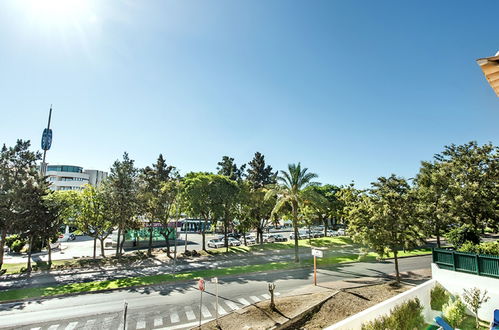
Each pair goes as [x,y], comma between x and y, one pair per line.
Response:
[201,289]
[316,253]
[215,280]
[124,315]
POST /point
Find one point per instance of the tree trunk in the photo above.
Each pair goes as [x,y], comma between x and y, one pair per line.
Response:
[395,252]
[309,234]
[203,233]
[122,242]
[259,235]
[95,247]
[167,241]
[324,220]
[295,227]
[28,268]
[102,247]
[118,242]
[226,240]
[2,244]
[244,238]
[149,249]
[49,248]
[437,232]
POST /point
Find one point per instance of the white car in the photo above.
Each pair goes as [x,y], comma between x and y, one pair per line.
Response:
[250,240]
[66,237]
[233,242]
[332,233]
[341,232]
[267,238]
[215,243]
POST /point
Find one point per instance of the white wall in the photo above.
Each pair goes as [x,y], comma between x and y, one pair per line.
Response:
[422,292]
[455,282]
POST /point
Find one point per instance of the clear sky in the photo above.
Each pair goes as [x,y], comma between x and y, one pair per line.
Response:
[352,89]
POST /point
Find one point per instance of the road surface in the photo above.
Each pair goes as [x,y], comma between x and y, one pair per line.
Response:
[177,305]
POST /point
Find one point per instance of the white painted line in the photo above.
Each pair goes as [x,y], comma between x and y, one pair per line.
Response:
[141,324]
[174,318]
[35,328]
[158,321]
[205,311]
[221,310]
[244,301]
[53,327]
[231,305]
[189,313]
[71,326]
[255,298]
[89,323]
[266,296]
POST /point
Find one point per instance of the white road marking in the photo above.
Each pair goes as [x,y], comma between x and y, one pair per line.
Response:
[189,313]
[266,296]
[185,325]
[255,298]
[174,318]
[89,323]
[158,321]
[221,311]
[244,301]
[71,325]
[231,305]
[53,327]
[35,328]
[141,324]
[205,311]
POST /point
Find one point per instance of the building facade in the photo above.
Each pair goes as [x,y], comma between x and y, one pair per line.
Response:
[70,177]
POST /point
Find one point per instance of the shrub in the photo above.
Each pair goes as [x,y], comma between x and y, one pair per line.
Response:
[407,315]
[482,248]
[439,296]
[11,239]
[454,312]
[17,246]
[466,233]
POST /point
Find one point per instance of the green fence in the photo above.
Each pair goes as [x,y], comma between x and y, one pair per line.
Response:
[466,262]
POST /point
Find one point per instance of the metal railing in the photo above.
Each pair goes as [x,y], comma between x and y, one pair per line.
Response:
[466,262]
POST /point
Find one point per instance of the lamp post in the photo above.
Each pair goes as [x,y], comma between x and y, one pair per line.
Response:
[46,143]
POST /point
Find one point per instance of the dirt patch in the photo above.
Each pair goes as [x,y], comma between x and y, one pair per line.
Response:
[349,302]
[341,305]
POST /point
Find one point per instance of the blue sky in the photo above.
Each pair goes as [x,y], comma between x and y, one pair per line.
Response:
[352,89]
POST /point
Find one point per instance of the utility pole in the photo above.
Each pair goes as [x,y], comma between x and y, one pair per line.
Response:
[46,143]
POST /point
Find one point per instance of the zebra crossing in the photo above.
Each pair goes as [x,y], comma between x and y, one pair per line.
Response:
[176,318]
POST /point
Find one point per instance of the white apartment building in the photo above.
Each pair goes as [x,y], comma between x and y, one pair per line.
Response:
[70,177]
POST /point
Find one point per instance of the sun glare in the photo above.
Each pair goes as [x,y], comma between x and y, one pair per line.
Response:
[60,12]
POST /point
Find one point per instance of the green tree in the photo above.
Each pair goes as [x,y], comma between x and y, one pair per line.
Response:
[384,218]
[170,207]
[122,189]
[228,168]
[152,194]
[17,166]
[94,216]
[197,196]
[325,205]
[224,198]
[291,192]
[260,177]
[474,298]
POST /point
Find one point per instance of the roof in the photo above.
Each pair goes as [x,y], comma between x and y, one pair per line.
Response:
[490,68]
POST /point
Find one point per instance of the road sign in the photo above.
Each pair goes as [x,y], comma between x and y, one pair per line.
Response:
[317,253]
[201,284]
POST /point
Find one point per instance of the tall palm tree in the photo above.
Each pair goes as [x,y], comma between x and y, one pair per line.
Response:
[290,192]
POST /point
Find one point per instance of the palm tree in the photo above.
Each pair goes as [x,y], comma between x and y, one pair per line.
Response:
[290,192]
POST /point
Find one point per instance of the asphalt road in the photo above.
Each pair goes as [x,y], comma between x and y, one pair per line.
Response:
[177,305]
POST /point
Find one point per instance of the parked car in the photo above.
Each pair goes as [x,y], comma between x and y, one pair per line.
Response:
[234,235]
[341,232]
[301,235]
[317,234]
[267,238]
[332,233]
[66,237]
[250,240]
[280,238]
[215,243]
[233,242]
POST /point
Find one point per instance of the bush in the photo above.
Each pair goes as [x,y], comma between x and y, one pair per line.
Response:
[407,315]
[439,296]
[17,246]
[454,312]
[460,235]
[482,248]
[11,239]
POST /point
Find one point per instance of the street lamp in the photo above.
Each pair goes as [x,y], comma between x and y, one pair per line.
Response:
[490,68]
